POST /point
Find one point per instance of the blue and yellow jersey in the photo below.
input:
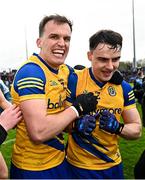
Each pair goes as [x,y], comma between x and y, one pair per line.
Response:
[99,151]
[36,80]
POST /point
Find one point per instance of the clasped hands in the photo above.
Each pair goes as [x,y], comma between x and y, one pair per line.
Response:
[107,122]
[86,104]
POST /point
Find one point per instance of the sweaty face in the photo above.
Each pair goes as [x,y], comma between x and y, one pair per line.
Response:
[104,61]
[54,43]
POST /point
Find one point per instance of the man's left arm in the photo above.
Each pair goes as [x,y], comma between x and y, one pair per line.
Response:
[132,124]
[131,118]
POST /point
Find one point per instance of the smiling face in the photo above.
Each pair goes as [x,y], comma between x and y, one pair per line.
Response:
[54,43]
[105,61]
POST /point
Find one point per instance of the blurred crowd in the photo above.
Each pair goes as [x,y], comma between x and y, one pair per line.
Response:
[7,77]
[138,83]
[130,75]
[136,77]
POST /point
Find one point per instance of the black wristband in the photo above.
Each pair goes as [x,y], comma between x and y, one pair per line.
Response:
[3,134]
[119,130]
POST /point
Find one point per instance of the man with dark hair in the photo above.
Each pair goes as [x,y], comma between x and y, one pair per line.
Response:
[40,88]
[96,155]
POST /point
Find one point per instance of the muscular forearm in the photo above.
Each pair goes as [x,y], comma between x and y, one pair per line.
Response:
[131,131]
[43,126]
[52,125]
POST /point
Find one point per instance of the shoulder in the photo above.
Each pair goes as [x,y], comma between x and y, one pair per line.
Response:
[29,80]
[30,70]
[125,85]
[128,93]
[29,73]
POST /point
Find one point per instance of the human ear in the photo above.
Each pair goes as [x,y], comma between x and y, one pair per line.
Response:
[38,42]
[89,54]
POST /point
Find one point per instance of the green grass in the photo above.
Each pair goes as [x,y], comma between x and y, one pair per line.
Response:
[130,150]
[6,147]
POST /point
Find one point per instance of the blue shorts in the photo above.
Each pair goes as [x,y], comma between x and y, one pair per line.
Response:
[115,172]
[59,172]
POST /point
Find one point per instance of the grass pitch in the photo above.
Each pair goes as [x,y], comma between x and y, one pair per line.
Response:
[130,150]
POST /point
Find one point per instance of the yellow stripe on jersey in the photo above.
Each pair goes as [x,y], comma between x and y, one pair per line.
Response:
[131,98]
[30,78]
[29,86]
[68,92]
[131,95]
[36,96]
[130,107]
[30,82]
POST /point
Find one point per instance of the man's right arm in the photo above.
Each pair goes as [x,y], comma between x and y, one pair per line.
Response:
[42,127]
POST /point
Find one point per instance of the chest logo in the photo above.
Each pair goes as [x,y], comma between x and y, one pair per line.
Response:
[111,91]
[53,83]
[62,82]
